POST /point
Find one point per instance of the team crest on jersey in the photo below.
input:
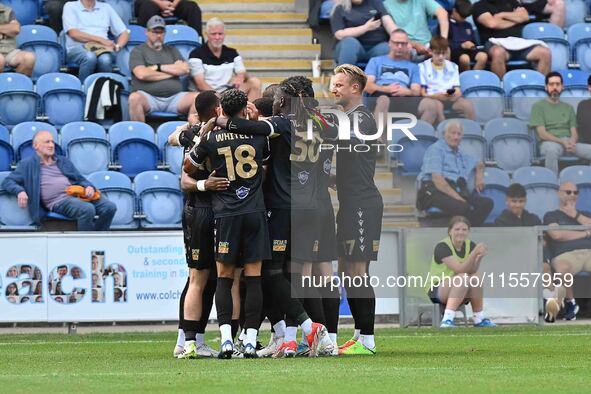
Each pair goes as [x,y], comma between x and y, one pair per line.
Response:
[195,254]
[327,166]
[242,192]
[279,245]
[303,177]
[376,245]
[224,247]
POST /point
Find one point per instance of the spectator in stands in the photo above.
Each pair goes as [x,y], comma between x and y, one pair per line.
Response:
[571,248]
[393,75]
[12,272]
[88,24]
[38,288]
[215,66]
[40,183]
[516,215]
[22,61]
[186,10]
[457,256]
[500,23]
[156,70]
[54,10]
[440,86]
[556,125]
[584,118]
[363,29]
[11,289]
[413,16]
[444,179]
[542,9]
[462,38]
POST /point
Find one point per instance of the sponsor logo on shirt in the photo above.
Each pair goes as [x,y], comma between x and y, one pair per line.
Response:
[303,177]
[195,254]
[242,192]
[279,245]
[224,247]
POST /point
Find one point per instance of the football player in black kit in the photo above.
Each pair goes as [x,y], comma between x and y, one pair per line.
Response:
[241,225]
[359,220]
[198,231]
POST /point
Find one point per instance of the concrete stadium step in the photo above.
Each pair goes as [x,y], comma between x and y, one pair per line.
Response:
[388,224]
[246,5]
[279,67]
[278,51]
[383,179]
[265,36]
[319,84]
[285,19]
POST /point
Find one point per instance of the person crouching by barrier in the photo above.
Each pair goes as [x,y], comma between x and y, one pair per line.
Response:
[455,264]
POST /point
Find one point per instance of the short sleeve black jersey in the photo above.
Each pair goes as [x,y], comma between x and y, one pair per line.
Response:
[197,198]
[239,158]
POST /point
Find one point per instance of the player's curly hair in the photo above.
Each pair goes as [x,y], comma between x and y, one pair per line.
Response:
[233,101]
[299,88]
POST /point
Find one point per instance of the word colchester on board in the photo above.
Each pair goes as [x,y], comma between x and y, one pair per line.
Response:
[91,277]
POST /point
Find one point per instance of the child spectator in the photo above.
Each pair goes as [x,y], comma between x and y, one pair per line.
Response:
[462,38]
[516,215]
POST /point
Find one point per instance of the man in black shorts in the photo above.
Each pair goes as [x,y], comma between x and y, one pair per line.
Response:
[359,220]
[198,231]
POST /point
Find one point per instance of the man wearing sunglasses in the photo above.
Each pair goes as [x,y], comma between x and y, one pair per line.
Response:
[571,248]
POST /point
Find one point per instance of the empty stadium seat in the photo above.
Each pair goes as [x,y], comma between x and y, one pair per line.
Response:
[6,151]
[43,41]
[117,188]
[575,87]
[13,217]
[124,8]
[553,36]
[137,36]
[579,38]
[161,200]
[26,11]
[483,88]
[61,97]
[22,138]
[575,12]
[496,182]
[509,143]
[184,38]
[581,176]
[86,146]
[473,143]
[172,156]
[410,159]
[524,88]
[541,186]
[124,95]
[18,102]
[133,147]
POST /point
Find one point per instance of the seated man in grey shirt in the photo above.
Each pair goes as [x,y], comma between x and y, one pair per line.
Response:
[156,70]
[40,183]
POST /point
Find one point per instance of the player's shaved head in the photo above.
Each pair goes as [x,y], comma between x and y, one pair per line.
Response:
[233,102]
[206,103]
[271,90]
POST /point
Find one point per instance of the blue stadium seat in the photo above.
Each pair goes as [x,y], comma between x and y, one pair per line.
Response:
[541,185]
[124,95]
[18,102]
[410,159]
[575,87]
[579,38]
[581,176]
[575,12]
[62,98]
[496,182]
[12,217]
[524,88]
[87,146]
[6,151]
[26,11]
[22,138]
[184,38]
[133,147]
[160,197]
[552,35]
[483,88]
[117,187]
[124,8]
[473,143]
[43,41]
[137,36]
[172,156]
[509,143]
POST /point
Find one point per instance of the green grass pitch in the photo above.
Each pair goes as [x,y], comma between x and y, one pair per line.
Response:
[506,359]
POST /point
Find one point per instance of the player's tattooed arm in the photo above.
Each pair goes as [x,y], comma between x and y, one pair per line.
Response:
[195,158]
